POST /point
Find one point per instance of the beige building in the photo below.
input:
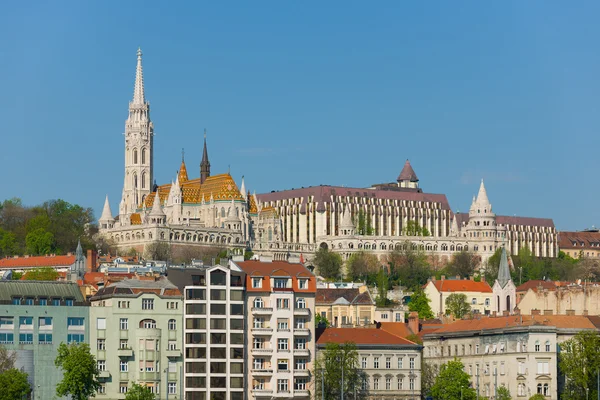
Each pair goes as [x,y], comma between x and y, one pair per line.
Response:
[392,364]
[580,244]
[518,352]
[346,307]
[573,298]
[280,299]
[479,294]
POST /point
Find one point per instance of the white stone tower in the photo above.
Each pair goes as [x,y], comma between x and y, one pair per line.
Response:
[139,149]
[505,291]
[482,230]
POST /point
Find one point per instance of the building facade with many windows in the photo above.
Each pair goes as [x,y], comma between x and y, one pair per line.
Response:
[136,336]
[280,304]
[214,339]
[35,318]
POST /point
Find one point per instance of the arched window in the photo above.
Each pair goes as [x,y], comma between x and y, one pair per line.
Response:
[269,234]
[258,302]
[172,325]
[537,346]
[148,324]
[301,303]
[135,156]
[135,181]
[521,389]
[547,345]
[539,388]
[143,156]
[143,180]
[222,212]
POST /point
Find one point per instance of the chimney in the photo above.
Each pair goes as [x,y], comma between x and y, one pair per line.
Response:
[493,314]
[570,312]
[547,312]
[458,277]
[505,313]
[585,312]
[413,322]
[91,261]
[536,312]
[443,277]
[471,278]
[482,278]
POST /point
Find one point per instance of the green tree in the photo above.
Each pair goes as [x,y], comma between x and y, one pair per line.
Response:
[538,396]
[80,371]
[7,359]
[321,321]
[8,243]
[361,264]
[414,338]
[14,385]
[457,305]
[419,302]
[580,360]
[413,228]
[429,373]
[328,372]
[156,251]
[503,393]
[493,266]
[39,242]
[139,392]
[408,266]
[42,274]
[453,383]
[463,264]
[382,288]
[364,224]
[328,262]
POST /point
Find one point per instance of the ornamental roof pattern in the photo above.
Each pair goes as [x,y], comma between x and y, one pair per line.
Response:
[252,207]
[135,219]
[183,175]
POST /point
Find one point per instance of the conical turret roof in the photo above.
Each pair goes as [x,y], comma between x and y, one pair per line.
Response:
[139,97]
[346,219]
[157,210]
[106,212]
[503,270]
[182,175]
[407,173]
[482,198]
[232,214]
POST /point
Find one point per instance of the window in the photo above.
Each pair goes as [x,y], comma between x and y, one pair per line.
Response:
[45,338]
[258,302]
[172,387]
[487,302]
[101,365]
[282,385]
[365,383]
[302,283]
[25,321]
[283,304]
[123,324]
[364,363]
[56,302]
[411,384]
[300,384]
[280,283]
[300,344]
[123,366]
[398,317]
[123,304]
[282,344]
[172,325]
[282,365]
[172,305]
[547,345]
[388,362]
[384,316]
[29,301]
[101,323]
[69,302]
[237,309]
[411,363]
[25,338]
[102,389]
[101,344]
[147,304]
[123,387]
[257,283]
[148,324]
[258,363]
[300,323]
[75,338]
[301,303]
[376,383]
[259,323]
[502,368]
[301,363]
[543,367]
[476,349]
[43,301]
[218,278]
[218,294]
[258,384]
[75,321]
[376,362]
[521,368]
[473,300]
[282,324]
[123,344]
[16,301]
[7,338]
[400,383]
[543,389]
[400,362]
[388,383]
[6,322]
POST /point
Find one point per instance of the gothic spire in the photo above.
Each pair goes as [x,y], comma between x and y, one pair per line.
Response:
[106,212]
[503,270]
[482,198]
[182,175]
[204,164]
[243,189]
[79,251]
[138,91]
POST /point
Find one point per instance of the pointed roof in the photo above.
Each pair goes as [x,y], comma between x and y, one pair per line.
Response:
[139,97]
[482,198]
[182,175]
[79,251]
[243,189]
[204,160]
[106,212]
[503,270]
[346,219]
[407,173]
[157,210]
[232,214]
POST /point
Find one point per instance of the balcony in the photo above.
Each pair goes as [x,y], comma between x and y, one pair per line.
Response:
[262,310]
[301,311]
[262,350]
[175,353]
[301,352]
[262,329]
[302,372]
[149,376]
[125,352]
[262,392]
[283,330]
[103,375]
[301,393]
[262,371]
[301,331]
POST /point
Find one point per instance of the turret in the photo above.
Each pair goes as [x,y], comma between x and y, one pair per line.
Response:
[408,177]
[204,163]
[106,220]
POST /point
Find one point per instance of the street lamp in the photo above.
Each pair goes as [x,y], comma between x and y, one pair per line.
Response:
[166,371]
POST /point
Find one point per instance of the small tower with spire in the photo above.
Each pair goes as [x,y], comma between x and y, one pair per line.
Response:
[505,291]
[106,220]
[139,149]
[204,163]
[408,177]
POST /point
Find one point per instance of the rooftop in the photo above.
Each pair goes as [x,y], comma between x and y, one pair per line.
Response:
[273,268]
[461,285]
[505,220]
[9,289]
[360,336]
[135,287]
[346,296]
[37,261]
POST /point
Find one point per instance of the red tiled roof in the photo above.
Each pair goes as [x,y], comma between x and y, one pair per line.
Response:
[397,328]
[461,285]
[37,262]
[558,321]
[407,173]
[579,240]
[360,336]
[534,284]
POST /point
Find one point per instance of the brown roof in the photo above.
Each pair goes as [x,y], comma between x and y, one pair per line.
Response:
[268,268]
[408,173]
[534,284]
[461,285]
[353,296]
[579,240]
[397,328]
[37,262]
[558,321]
[360,336]
[463,219]
[323,194]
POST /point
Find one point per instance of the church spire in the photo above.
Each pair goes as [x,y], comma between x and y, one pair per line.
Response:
[138,91]
[204,164]
[482,198]
[182,175]
[503,270]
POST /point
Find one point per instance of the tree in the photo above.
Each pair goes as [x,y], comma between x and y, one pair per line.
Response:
[503,393]
[413,228]
[328,372]
[80,371]
[537,396]
[328,262]
[419,302]
[457,305]
[463,264]
[408,266]
[8,243]
[139,392]
[453,383]
[7,359]
[157,251]
[321,321]
[493,266]
[42,274]
[429,373]
[414,338]
[364,224]
[39,242]
[580,359]
[14,384]
[361,264]
[382,288]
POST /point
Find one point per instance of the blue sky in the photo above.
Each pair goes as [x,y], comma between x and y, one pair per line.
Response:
[304,93]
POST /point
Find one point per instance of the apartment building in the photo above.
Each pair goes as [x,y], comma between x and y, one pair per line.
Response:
[280,299]
[35,318]
[392,364]
[136,337]
[518,352]
[214,344]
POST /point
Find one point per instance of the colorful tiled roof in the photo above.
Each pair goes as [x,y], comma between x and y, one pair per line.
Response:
[135,219]
[37,262]
[183,175]
[252,208]
[360,336]
[461,285]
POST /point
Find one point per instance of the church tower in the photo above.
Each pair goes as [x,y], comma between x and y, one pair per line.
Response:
[505,291]
[204,164]
[139,151]
[482,230]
